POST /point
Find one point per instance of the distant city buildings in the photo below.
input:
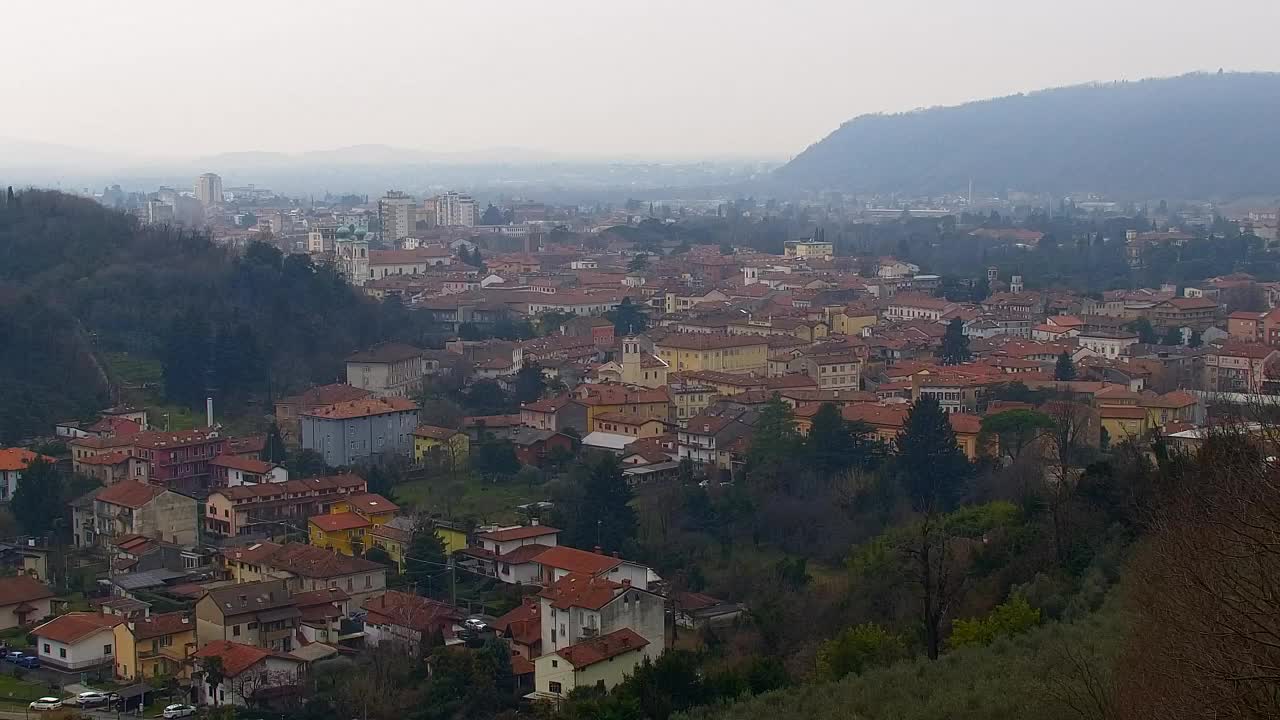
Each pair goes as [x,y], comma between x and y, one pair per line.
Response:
[209,190]
[455,210]
[399,215]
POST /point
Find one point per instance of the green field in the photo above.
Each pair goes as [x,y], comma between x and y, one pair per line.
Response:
[13,690]
[471,498]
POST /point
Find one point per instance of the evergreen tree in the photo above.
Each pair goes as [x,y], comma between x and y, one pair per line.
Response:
[1146,332]
[604,515]
[1065,368]
[186,358]
[981,290]
[1172,336]
[931,465]
[955,345]
[530,383]
[773,443]
[1196,339]
[275,451]
[830,448]
[38,500]
[628,319]
[425,561]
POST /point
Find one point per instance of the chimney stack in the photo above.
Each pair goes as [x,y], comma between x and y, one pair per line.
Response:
[208,411]
[598,550]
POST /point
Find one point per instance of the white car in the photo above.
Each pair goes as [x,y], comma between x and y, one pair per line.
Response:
[178,711]
[46,703]
[91,698]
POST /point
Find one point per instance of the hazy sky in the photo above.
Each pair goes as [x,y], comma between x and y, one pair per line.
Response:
[661,78]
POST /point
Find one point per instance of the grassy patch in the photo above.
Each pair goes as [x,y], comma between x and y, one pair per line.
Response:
[473,498]
[132,370]
[20,691]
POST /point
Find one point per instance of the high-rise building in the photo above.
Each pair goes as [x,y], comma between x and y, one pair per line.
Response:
[209,189]
[399,215]
[455,210]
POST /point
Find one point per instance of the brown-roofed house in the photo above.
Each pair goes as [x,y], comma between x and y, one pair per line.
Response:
[23,600]
[599,661]
[77,641]
[277,674]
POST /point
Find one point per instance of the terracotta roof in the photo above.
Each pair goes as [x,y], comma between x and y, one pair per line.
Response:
[75,626]
[162,624]
[237,658]
[370,503]
[410,611]
[965,423]
[243,464]
[1175,399]
[22,588]
[582,590]
[327,395]
[314,562]
[296,488]
[130,494]
[156,440]
[491,421]
[599,649]
[1253,351]
[254,553]
[520,533]
[435,433]
[574,560]
[523,554]
[388,352]
[695,601]
[362,408]
[391,533]
[115,457]
[708,341]
[252,597]
[336,522]
[19,459]
[523,623]
[246,445]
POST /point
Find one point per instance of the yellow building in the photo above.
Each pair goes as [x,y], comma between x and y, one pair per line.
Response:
[1124,422]
[740,354]
[453,536]
[636,367]
[391,540]
[610,398]
[603,661]
[343,532]
[375,508]
[441,446]
[808,249]
[852,319]
[155,646]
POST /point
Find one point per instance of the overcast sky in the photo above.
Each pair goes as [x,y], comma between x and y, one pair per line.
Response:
[655,78]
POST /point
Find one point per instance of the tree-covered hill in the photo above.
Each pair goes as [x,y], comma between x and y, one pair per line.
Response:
[1193,136]
[78,281]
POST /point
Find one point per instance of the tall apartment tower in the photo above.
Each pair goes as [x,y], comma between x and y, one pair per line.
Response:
[399,216]
[455,210]
[209,189]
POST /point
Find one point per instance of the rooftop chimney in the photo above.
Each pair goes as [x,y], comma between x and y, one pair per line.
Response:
[615,553]
[208,411]
[597,550]
[533,522]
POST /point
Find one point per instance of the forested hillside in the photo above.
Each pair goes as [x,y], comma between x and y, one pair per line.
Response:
[1194,136]
[79,282]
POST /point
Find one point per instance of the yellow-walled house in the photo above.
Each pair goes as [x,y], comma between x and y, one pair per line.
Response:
[684,352]
[453,536]
[607,398]
[375,508]
[391,540]
[156,646]
[1124,423]
[441,445]
[602,661]
[851,320]
[343,532]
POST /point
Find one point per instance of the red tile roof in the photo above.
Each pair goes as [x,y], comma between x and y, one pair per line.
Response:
[520,533]
[162,624]
[362,408]
[243,464]
[523,554]
[599,649]
[130,494]
[75,626]
[435,433]
[371,503]
[336,522]
[19,459]
[237,658]
[580,590]
[313,562]
[327,395]
[410,611]
[22,588]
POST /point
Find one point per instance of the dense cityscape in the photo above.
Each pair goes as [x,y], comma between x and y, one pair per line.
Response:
[961,412]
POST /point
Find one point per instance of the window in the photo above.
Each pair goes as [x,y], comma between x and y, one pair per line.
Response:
[235,631]
[554,687]
[252,626]
[349,583]
[555,663]
[62,652]
[46,648]
[368,581]
[106,649]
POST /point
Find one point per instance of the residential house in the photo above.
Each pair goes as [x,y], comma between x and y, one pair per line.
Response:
[1107,344]
[112,466]
[306,567]
[233,471]
[1238,367]
[831,370]
[360,429]
[556,414]
[13,461]
[253,509]
[260,614]
[1198,314]
[910,306]
[180,460]
[559,560]
[393,538]
[23,601]
[157,645]
[533,447]
[1121,422]
[251,675]
[1172,407]
[696,610]
[707,439]
[290,409]
[131,507]
[322,614]
[385,370]
[349,520]
[77,641]
[600,661]
[407,620]
[606,398]
[442,447]
[624,424]
[736,354]
[522,627]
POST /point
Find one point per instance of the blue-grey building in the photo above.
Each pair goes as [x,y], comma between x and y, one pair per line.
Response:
[349,432]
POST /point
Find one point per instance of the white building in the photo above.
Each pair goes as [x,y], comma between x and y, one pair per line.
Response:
[399,215]
[455,210]
[77,641]
[209,189]
[1107,344]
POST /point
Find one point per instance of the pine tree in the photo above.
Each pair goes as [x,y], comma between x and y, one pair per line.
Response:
[1065,369]
[38,500]
[425,560]
[774,442]
[275,451]
[931,465]
[605,516]
[830,449]
[955,345]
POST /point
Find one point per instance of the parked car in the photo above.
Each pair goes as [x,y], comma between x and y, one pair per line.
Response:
[28,661]
[178,711]
[14,655]
[46,703]
[475,624]
[92,698]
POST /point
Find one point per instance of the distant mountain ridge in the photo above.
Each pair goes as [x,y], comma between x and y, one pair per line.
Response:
[1193,136]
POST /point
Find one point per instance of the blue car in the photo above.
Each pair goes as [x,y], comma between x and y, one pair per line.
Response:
[28,661]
